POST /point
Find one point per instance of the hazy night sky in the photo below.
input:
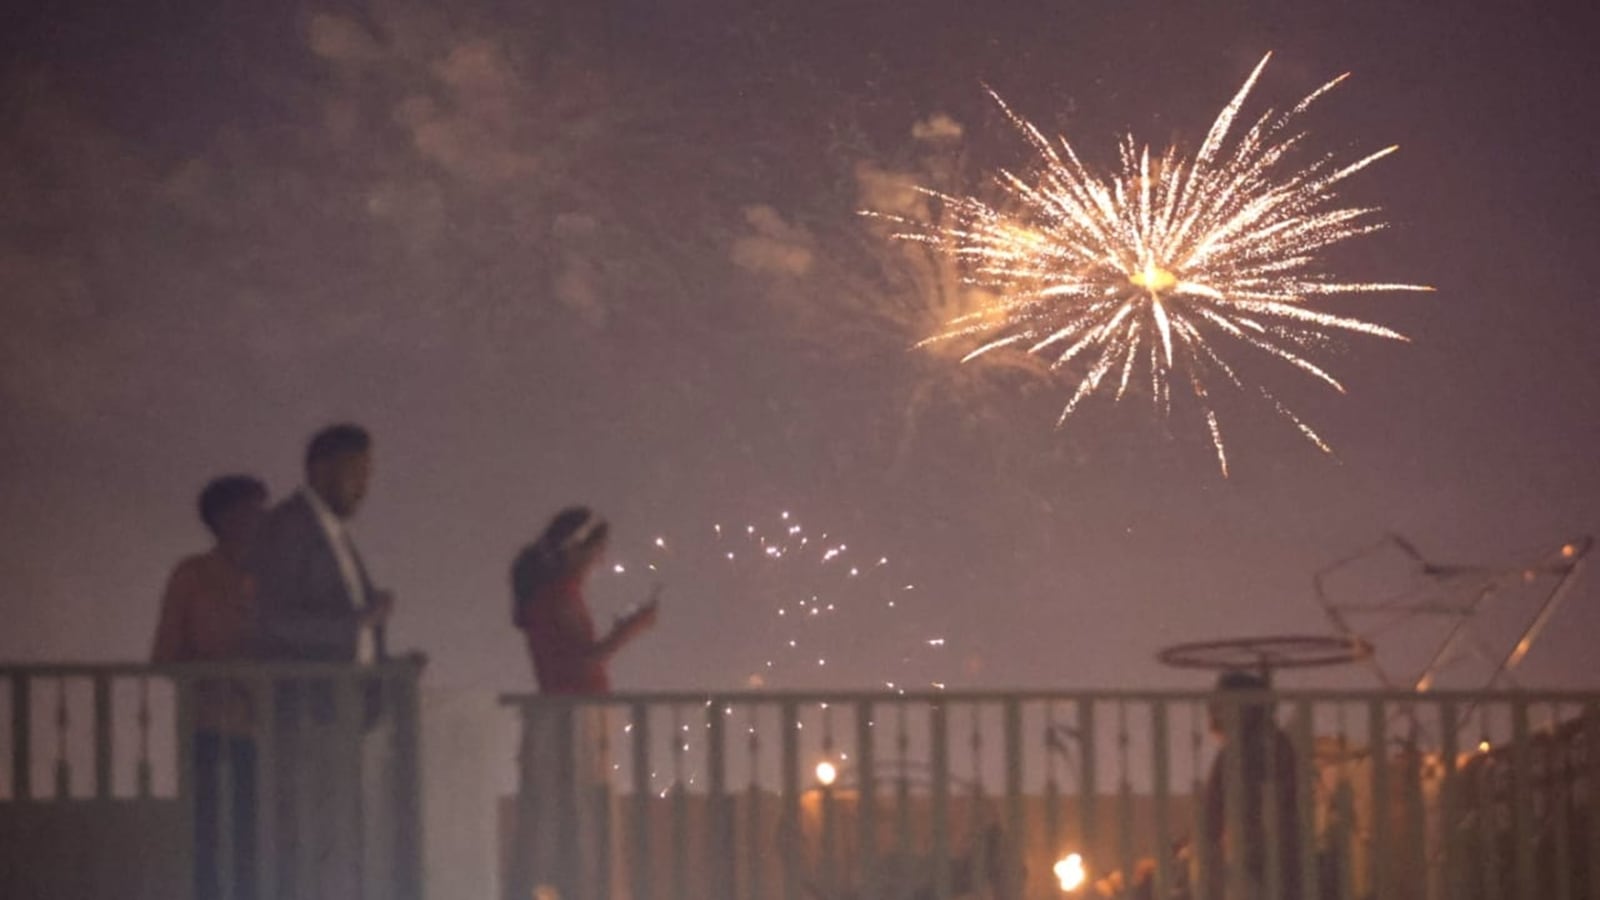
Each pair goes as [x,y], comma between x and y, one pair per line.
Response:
[608,252]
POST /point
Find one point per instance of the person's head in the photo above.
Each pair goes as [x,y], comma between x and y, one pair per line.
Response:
[232,508]
[576,540]
[338,464]
[571,544]
[1251,715]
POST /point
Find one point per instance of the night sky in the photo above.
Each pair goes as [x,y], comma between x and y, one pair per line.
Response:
[560,252]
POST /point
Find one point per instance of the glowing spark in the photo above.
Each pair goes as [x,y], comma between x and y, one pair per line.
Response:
[1070,873]
[826,773]
[1161,261]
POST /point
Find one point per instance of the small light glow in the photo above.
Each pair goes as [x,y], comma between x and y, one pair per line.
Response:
[826,773]
[1483,746]
[1070,872]
[618,568]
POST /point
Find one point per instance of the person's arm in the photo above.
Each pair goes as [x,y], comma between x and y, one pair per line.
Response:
[171,643]
[626,628]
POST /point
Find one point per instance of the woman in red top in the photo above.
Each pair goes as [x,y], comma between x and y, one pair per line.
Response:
[547,583]
[564,766]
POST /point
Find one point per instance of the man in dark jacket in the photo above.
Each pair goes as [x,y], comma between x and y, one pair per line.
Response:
[316,603]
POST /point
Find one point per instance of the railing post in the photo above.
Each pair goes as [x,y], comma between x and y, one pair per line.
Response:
[103,740]
[940,752]
[1016,821]
[409,811]
[642,881]
[789,779]
[21,737]
[184,688]
[263,699]
[1305,795]
[1450,806]
[1088,827]
[866,788]
[1522,833]
[719,848]
[1379,851]
[1161,790]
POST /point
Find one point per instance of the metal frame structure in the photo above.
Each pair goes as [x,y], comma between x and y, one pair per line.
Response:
[1477,584]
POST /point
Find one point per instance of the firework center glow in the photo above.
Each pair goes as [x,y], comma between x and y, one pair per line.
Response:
[1153,278]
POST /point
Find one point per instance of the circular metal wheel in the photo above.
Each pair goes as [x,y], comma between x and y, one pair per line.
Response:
[1265,654]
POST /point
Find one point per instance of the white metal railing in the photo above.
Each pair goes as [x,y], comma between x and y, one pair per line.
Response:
[943,795]
[310,776]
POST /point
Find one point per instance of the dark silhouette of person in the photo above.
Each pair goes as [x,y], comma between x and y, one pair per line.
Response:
[548,605]
[208,615]
[1256,751]
[563,760]
[316,603]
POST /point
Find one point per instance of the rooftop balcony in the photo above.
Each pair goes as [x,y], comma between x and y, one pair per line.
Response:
[373,788]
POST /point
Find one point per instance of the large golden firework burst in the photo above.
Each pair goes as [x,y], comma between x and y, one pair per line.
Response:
[1138,272]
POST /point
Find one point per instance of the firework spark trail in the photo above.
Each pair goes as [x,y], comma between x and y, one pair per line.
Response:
[1148,264]
[815,587]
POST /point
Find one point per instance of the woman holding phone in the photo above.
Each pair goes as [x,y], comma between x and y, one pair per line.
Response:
[564,765]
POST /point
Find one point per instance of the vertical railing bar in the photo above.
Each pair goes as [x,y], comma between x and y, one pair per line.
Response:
[1124,796]
[1591,728]
[1522,835]
[1271,810]
[142,774]
[1488,855]
[409,844]
[789,779]
[184,689]
[599,716]
[1206,863]
[1305,768]
[680,809]
[266,811]
[1053,748]
[1559,780]
[1087,745]
[63,769]
[1378,849]
[1233,775]
[1450,818]
[1344,806]
[1161,789]
[103,739]
[902,784]
[640,824]
[866,789]
[719,845]
[938,731]
[1416,848]
[222,841]
[753,839]
[1016,822]
[827,869]
[348,712]
[21,737]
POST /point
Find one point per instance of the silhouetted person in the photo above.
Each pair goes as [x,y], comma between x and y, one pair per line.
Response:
[208,615]
[564,766]
[1256,750]
[547,583]
[316,603]
[316,600]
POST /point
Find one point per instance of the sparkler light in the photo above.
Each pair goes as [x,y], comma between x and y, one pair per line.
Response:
[1154,268]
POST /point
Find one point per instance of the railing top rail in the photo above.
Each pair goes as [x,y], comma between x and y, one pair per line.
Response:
[246,670]
[1037,695]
